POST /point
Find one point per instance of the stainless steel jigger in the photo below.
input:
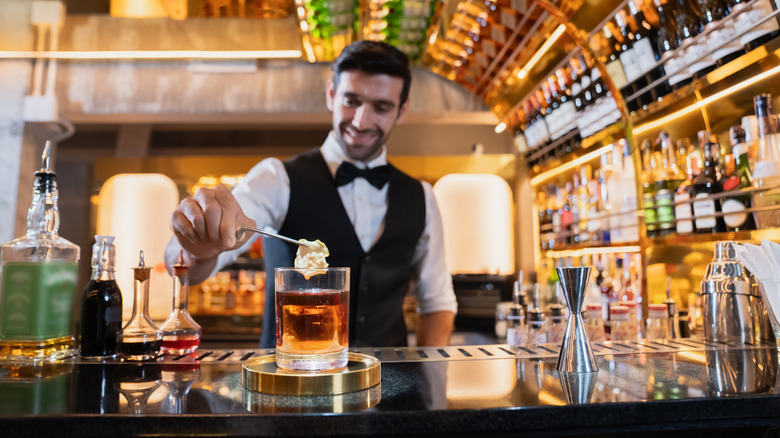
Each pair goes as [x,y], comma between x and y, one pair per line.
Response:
[576,355]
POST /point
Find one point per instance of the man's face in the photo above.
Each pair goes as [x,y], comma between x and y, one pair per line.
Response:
[365,109]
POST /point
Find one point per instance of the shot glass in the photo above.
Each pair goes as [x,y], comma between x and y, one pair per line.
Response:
[312,318]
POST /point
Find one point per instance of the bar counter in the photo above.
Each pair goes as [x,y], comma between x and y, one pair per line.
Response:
[680,388]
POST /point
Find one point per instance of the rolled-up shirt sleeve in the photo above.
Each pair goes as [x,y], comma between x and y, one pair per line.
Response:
[432,280]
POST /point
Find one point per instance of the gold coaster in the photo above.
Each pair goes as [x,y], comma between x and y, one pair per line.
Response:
[262,375]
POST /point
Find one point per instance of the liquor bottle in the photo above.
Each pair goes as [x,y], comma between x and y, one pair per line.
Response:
[667,183]
[767,170]
[537,325]
[38,280]
[705,184]
[609,173]
[668,43]
[625,46]
[740,179]
[721,38]
[180,333]
[649,188]
[516,332]
[101,307]
[629,201]
[647,51]
[747,14]
[683,211]
[614,66]
[140,339]
[583,207]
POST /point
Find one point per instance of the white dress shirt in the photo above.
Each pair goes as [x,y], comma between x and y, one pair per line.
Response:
[264,195]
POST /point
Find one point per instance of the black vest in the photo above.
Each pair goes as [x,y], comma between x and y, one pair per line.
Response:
[379,279]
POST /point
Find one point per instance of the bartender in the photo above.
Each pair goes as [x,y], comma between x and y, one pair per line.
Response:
[381,223]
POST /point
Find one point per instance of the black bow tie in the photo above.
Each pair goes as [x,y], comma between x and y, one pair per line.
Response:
[377,176]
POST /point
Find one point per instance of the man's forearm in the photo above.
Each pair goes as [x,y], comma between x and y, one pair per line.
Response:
[200,269]
[435,329]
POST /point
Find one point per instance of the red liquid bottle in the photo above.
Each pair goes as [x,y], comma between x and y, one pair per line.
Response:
[181,334]
[140,339]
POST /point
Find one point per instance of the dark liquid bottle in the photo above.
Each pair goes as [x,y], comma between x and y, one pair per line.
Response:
[101,309]
[705,184]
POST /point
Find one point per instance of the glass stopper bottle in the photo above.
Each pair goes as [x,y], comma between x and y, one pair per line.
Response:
[140,339]
[595,324]
[537,326]
[657,322]
[516,332]
[181,334]
[101,306]
[39,275]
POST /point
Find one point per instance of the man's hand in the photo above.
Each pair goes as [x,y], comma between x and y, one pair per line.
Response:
[205,225]
[434,329]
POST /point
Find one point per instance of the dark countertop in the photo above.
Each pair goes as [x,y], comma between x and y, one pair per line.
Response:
[684,388]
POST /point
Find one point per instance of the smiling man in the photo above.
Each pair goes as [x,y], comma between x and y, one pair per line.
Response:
[375,219]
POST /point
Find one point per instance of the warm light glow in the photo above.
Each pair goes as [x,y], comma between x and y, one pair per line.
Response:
[542,50]
[550,399]
[136,208]
[477,220]
[479,379]
[151,54]
[590,251]
[570,165]
[500,128]
[719,95]
[694,356]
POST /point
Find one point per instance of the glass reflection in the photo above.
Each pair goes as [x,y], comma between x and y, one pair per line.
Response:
[136,383]
[35,389]
[179,377]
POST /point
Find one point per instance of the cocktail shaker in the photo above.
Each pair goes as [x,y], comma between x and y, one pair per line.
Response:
[732,308]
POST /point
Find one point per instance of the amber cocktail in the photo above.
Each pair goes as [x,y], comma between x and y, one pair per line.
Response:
[312,318]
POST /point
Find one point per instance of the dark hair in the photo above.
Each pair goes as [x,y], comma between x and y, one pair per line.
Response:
[374,57]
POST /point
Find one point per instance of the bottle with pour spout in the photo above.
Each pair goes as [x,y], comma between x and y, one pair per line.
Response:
[180,333]
[140,339]
[38,283]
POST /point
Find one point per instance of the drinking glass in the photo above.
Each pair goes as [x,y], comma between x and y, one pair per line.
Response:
[312,318]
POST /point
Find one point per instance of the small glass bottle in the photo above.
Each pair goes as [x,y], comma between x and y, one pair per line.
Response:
[180,333]
[101,307]
[516,331]
[672,311]
[140,339]
[657,322]
[595,325]
[632,318]
[557,324]
[767,170]
[621,325]
[537,324]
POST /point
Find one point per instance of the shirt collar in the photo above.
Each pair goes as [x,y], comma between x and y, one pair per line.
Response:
[334,155]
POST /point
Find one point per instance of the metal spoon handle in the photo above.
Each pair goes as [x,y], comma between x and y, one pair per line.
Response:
[242,230]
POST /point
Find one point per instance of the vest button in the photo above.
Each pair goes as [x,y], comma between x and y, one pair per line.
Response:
[361,320]
[367,259]
[364,289]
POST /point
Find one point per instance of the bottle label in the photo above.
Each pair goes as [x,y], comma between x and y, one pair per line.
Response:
[683,213]
[630,65]
[650,216]
[698,57]
[766,169]
[37,300]
[704,208]
[745,22]
[664,209]
[114,314]
[516,336]
[734,206]
[617,74]
[644,55]
[537,338]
